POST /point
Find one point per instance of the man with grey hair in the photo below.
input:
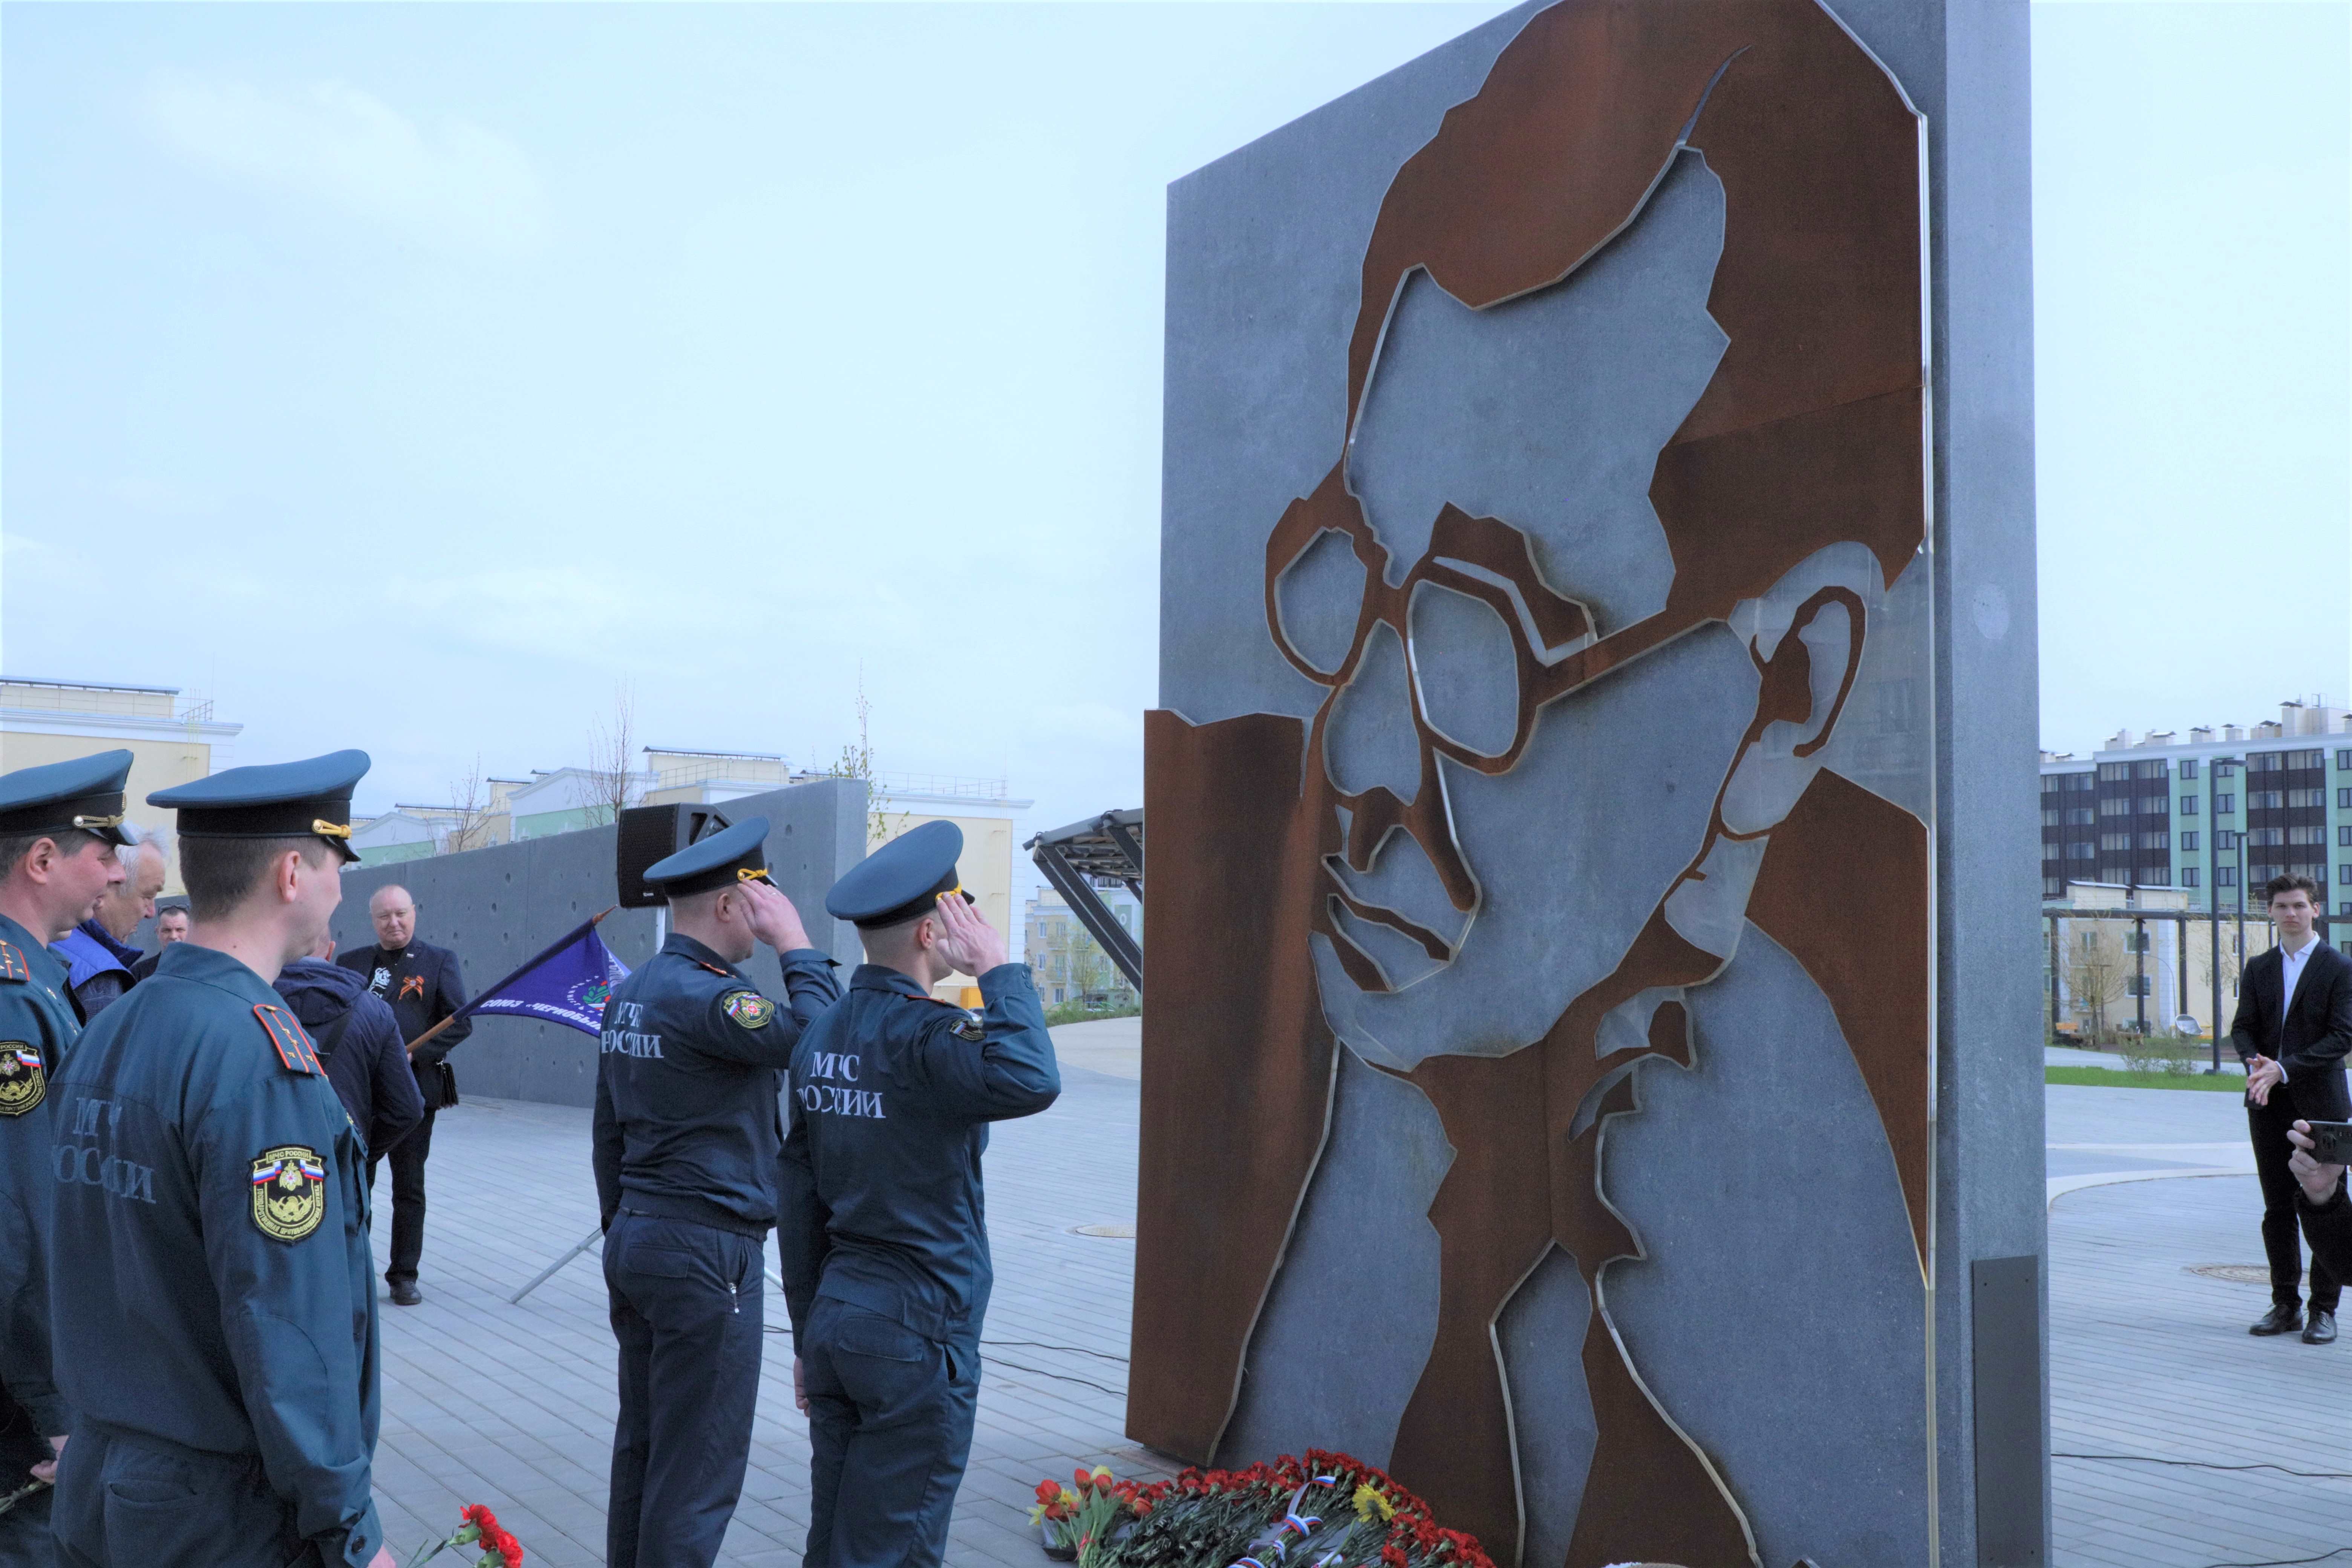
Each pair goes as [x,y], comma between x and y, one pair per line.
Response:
[100,962]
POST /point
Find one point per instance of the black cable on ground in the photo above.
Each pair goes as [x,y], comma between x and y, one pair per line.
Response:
[1063,1376]
[2208,1465]
[2285,1562]
[1039,1345]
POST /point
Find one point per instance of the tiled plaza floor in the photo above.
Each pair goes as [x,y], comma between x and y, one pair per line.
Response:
[513,1404]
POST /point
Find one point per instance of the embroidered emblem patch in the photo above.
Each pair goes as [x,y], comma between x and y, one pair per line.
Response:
[289,1193]
[23,1080]
[967,1029]
[410,986]
[748,1008]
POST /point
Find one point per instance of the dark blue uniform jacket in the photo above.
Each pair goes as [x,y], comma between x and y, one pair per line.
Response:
[369,1062]
[37,1027]
[892,1094]
[210,1209]
[686,1119]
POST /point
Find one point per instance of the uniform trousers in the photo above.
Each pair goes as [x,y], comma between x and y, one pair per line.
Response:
[2320,1097]
[685,1308]
[126,1500]
[890,1418]
[407,1158]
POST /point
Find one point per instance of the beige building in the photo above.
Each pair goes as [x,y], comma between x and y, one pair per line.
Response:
[2106,964]
[991,820]
[171,742]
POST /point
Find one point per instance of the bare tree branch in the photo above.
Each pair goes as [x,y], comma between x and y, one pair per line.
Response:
[611,760]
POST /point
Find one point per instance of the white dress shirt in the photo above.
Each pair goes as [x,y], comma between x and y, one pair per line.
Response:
[2291,971]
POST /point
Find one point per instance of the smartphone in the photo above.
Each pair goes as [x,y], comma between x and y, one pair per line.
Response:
[2332,1143]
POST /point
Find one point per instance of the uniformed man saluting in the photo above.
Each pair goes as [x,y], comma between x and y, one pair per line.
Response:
[59,825]
[209,1282]
[687,1134]
[885,1244]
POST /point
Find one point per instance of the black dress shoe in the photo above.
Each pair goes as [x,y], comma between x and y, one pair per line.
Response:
[2277,1321]
[405,1294]
[2322,1328]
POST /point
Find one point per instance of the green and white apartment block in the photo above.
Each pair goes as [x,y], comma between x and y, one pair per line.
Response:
[2211,816]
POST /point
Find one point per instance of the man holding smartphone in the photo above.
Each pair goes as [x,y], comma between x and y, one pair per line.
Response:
[2327,1210]
[2293,1028]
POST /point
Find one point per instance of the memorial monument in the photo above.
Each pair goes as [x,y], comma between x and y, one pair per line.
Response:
[1584,1074]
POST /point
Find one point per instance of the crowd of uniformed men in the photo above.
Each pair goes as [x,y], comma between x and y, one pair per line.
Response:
[188,1336]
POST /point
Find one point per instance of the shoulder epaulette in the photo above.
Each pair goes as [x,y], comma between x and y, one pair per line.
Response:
[13,966]
[294,1047]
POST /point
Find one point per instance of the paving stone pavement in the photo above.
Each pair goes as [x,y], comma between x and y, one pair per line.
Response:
[513,1406]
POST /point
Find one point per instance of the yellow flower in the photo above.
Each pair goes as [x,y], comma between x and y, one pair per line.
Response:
[1368,1501]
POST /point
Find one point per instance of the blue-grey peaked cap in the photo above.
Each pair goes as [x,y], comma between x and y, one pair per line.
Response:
[80,795]
[276,800]
[902,879]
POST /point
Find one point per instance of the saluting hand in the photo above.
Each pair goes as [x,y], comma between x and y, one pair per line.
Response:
[771,917]
[969,943]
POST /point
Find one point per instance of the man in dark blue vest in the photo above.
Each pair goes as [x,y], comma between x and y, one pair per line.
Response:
[686,1134]
[886,1263]
[216,1332]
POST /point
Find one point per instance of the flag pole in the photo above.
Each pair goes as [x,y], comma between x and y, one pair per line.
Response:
[566,940]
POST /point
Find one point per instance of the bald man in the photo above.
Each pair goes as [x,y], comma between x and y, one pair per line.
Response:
[422,985]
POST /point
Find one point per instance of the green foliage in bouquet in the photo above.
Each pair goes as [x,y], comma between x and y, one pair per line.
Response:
[1318,1510]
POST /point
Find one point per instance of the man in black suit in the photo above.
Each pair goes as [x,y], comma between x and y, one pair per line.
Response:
[423,986]
[2293,1028]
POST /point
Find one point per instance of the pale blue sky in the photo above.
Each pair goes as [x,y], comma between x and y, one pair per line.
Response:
[725,351]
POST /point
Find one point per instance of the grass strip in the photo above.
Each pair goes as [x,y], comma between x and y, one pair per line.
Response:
[2108,1078]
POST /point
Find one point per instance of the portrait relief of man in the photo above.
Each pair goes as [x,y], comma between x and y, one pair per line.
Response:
[1536,1080]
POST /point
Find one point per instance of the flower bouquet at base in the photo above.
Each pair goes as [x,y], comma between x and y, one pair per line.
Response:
[1315,1510]
[477,1526]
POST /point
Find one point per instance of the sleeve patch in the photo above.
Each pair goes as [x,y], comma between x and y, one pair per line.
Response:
[290,1192]
[294,1047]
[24,1081]
[748,1008]
[13,966]
[967,1029]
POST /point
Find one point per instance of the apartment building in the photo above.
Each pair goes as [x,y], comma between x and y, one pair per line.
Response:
[2215,814]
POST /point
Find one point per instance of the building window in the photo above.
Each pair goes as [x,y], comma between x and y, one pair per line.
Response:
[2079,817]
[2307,797]
[2344,835]
[2224,804]
[2225,839]
[2344,799]
[2079,852]
[2049,817]
[2264,837]
[2265,799]
[2114,843]
[2077,782]
[2189,769]
[2148,770]
[2138,984]
[2154,806]
[2111,771]
[2343,758]
[2306,761]
[2116,805]
[2053,887]
[2188,806]
[2344,874]
[2266,761]
[2155,840]
[2188,842]
[2189,875]
[2306,835]
[2225,876]
[2156,877]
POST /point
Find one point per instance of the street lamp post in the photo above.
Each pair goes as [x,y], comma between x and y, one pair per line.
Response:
[2213,776]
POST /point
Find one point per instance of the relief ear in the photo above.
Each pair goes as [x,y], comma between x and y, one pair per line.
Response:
[1856,632]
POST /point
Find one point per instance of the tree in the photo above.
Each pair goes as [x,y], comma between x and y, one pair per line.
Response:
[468,823]
[610,761]
[2094,979]
[856,761]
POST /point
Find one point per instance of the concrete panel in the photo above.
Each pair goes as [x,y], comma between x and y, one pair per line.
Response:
[1382,1165]
[498,907]
[1551,1413]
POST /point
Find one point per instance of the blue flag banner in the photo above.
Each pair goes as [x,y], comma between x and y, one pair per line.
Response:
[565,984]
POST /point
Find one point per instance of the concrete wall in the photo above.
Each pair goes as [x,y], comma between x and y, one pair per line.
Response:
[498,907]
